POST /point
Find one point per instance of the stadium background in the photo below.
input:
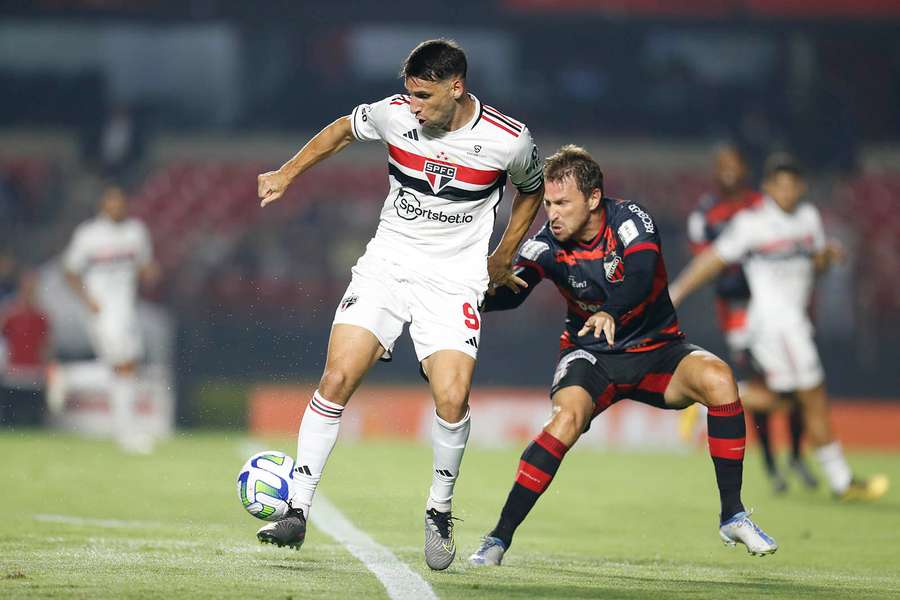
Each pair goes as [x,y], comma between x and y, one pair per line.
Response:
[185,102]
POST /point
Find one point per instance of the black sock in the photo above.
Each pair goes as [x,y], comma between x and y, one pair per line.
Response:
[796,421]
[727,437]
[537,467]
[761,422]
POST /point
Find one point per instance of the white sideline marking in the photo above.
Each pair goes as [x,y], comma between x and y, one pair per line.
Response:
[88,522]
[400,582]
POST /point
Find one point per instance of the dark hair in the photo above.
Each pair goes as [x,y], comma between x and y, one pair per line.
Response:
[782,162]
[435,60]
[575,162]
[733,147]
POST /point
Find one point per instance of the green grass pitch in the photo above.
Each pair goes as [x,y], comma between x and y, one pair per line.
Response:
[80,520]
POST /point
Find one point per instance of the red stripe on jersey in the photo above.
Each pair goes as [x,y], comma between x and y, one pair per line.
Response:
[732,317]
[496,112]
[660,282]
[532,478]
[726,209]
[572,257]
[727,447]
[565,342]
[655,382]
[647,347]
[503,127]
[639,247]
[551,444]
[463,174]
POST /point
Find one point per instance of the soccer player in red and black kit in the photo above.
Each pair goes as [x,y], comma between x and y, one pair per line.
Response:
[711,216]
[621,340]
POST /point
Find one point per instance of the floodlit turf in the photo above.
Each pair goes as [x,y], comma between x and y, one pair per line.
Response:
[80,520]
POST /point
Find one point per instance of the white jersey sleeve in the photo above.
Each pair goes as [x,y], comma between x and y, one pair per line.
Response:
[736,240]
[818,230]
[526,169]
[370,121]
[75,258]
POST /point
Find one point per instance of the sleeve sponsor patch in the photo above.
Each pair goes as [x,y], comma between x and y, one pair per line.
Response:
[628,232]
[532,249]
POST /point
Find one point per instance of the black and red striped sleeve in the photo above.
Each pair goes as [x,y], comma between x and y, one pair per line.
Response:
[641,254]
[530,265]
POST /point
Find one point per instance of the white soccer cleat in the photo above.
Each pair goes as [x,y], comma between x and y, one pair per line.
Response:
[489,553]
[740,528]
[440,547]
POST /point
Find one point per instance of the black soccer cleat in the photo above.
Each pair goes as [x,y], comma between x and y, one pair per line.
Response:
[289,531]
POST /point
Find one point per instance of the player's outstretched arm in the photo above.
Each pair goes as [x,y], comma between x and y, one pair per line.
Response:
[500,269]
[703,268]
[331,140]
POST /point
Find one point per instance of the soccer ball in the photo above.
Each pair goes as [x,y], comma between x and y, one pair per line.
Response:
[264,484]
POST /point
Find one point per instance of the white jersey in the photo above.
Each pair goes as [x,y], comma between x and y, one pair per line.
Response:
[445,185]
[108,256]
[777,250]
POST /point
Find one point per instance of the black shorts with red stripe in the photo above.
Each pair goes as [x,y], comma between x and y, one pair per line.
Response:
[608,378]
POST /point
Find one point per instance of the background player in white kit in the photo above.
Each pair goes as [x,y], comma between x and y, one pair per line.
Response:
[106,260]
[428,265]
[781,244]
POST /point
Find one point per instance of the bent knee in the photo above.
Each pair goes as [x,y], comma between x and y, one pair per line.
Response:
[336,385]
[717,384]
[571,420]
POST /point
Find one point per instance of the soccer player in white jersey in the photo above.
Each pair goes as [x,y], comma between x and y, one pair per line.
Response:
[106,260]
[449,157]
[781,244]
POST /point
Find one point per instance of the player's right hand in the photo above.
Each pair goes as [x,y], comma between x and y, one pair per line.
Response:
[271,186]
[600,322]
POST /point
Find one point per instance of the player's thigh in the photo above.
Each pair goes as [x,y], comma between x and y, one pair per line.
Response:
[116,338]
[703,377]
[450,377]
[352,350]
[444,316]
[374,301]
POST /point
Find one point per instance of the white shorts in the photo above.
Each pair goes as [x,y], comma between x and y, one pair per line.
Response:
[116,336]
[382,297]
[788,359]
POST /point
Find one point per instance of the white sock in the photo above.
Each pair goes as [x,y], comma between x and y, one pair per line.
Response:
[837,471]
[122,394]
[317,436]
[449,442]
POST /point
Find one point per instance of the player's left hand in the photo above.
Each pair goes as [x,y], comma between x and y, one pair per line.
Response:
[501,273]
[600,322]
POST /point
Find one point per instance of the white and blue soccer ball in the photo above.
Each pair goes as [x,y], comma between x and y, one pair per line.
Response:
[265,484]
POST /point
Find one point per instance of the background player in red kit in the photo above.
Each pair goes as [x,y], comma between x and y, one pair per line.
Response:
[621,339]
[712,215]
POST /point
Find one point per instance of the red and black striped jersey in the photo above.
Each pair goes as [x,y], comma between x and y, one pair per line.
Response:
[620,272]
[707,221]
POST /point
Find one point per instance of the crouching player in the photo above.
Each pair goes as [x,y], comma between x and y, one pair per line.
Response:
[621,340]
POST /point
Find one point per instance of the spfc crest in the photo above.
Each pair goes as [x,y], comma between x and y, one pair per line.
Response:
[439,175]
